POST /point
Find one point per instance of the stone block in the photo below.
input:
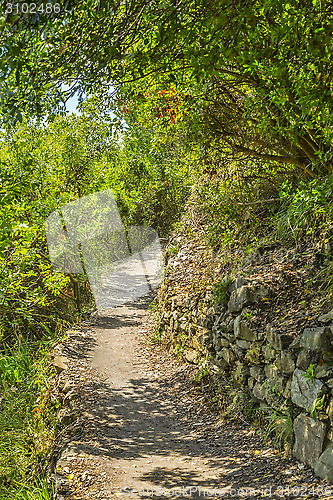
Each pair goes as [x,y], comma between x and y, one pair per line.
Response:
[261,335]
[242,330]
[239,282]
[295,343]
[316,338]
[229,324]
[271,371]
[221,362]
[261,292]
[279,341]
[309,439]
[60,363]
[259,391]
[287,390]
[228,336]
[64,386]
[285,362]
[324,371]
[304,391]
[251,382]
[65,417]
[219,342]
[240,298]
[218,321]
[324,465]
[325,318]
[268,352]
[243,344]
[237,323]
[306,357]
[228,355]
[329,383]
[257,373]
[191,356]
[329,410]
[328,357]
[226,323]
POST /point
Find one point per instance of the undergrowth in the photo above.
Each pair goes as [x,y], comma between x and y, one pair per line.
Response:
[239,213]
[220,291]
[40,491]
[27,419]
[277,427]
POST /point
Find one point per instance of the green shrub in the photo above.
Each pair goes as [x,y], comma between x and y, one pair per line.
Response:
[306,209]
[27,421]
[220,292]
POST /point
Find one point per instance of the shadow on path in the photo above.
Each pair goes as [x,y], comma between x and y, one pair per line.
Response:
[133,425]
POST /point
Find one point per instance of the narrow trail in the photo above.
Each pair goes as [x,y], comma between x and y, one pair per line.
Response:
[145,433]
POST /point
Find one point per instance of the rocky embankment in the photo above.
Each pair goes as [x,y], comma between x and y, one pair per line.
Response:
[256,320]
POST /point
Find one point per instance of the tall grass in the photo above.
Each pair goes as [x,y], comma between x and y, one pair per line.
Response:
[27,421]
[41,491]
[306,210]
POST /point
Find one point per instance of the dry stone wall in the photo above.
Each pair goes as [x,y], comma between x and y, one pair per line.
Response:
[278,371]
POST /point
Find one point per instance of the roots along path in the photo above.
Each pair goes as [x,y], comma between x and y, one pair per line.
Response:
[146,432]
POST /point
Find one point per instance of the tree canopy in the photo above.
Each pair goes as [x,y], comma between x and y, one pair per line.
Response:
[256,75]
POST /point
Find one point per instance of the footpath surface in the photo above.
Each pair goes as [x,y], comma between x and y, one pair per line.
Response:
[144,429]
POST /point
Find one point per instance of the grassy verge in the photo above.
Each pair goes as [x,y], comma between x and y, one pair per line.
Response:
[27,420]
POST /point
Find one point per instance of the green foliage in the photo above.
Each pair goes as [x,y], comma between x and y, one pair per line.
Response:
[248,315]
[310,373]
[15,364]
[255,77]
[172,250]
[148,177]
[280,424]
[36,168]
[220,291]
[305,209]
[45,167]
[233,97]
[318,404]
[27,421]
[201,375]
[41,491]
[156,336]
[233,204]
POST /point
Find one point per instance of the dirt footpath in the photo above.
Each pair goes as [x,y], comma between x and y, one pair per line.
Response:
[143,429]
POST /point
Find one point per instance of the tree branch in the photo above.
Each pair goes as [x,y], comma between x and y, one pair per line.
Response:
[293,160]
